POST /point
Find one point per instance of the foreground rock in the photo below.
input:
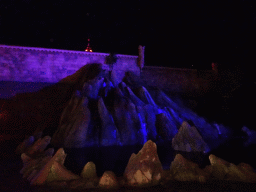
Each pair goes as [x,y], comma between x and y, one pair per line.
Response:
[223,170]
[182,169]
[54,170]
[108,180]
[144,168]
[189,139]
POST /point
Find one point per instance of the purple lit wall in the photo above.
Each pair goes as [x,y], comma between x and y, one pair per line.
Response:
[29,64]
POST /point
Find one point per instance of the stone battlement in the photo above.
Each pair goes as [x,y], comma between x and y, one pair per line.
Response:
[30,64]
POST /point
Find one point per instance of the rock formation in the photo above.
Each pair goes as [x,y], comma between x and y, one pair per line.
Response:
[182,169]
[188,139]
[144,168]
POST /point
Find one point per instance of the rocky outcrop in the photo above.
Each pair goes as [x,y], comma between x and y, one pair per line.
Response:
[182,169]
[54,170]
[188,139]
[108,180]
[223,170]
[109,134]
[73,132]
[144,168]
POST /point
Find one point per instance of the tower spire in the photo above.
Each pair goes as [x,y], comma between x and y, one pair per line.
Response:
[88,48]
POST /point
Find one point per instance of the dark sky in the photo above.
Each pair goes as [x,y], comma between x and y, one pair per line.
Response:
[175,33]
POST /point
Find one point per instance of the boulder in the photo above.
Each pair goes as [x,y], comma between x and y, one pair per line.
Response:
[144,168]
[39,146]
[241,173]
[188,139]
[54,170]
[182,169]
[108,180]
[89,171]
[219,167]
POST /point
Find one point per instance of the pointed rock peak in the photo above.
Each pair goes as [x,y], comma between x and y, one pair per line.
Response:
[185,170]
[217,161]
[150,144]
[59,173]
[108,180]
[60,156]
[189,139]
[146,165]
[89,171]
[54,170]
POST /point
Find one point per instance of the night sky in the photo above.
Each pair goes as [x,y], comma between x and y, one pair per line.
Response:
[175,33]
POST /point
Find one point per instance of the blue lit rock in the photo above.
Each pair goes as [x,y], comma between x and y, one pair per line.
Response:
[91,88]
[124,120]
[145,167]
[109,134]
[188,139]
[165,128]
[134,98]
[251,136]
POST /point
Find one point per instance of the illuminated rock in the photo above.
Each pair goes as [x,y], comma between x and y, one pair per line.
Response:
[251,136]
[182,169]
[134,98]
[124,119]
[222,169]
[188,139]
[144,168]
[54,170]
[91,88]
[74,134]
[165,128]
[219,167]
[241,173]
[89,171]
[108,180]
[109,134]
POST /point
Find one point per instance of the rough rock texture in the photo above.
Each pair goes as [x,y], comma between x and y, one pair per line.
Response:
[222,169]
[108,180]
[166,128]
[54,170]
[219,167]
[188,139]
[73,130]
[182,169]
[144,168]
[89,171]
[109,134]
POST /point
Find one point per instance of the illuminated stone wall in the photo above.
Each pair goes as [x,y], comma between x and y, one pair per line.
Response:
[29,64]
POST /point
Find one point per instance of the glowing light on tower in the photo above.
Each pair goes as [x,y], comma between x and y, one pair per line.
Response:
[88,48]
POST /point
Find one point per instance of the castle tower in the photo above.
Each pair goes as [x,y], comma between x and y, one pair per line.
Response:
[88,48]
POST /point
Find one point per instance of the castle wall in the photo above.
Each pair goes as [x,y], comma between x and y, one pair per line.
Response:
[29,64]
